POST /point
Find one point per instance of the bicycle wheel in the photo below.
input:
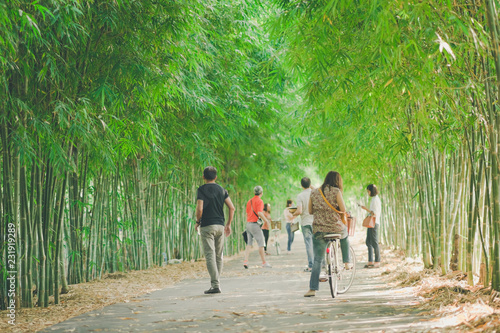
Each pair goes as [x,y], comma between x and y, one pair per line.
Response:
[346,277]
[278,249]
[332,268]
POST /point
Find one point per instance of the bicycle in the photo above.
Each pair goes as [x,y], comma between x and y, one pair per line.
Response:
[339,278]
[276,229]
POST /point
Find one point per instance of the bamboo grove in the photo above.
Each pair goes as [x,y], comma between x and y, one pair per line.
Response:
[109,110]
[405,94]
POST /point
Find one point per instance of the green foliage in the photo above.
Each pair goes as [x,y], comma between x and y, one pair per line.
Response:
[128,101]
[391,85]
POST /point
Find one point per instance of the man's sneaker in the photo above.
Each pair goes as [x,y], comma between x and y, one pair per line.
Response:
[266,265]
[213,291]
[323,277]
[307,269]
[245,264]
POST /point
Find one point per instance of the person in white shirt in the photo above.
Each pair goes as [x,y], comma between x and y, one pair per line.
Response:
[372,233]
[289,219]
[306,220]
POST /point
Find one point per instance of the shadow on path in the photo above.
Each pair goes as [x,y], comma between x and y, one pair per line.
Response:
[261,299]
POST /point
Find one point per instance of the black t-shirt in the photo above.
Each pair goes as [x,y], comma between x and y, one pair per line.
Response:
[213,196]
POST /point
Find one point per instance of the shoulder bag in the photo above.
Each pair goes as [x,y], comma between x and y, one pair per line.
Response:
[259,219]
[369,222]
[343,215]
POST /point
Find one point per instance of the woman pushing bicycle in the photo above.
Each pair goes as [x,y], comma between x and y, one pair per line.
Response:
[326,204]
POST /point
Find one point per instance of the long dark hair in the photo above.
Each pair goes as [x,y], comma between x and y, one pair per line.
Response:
[373,190]
[333,179]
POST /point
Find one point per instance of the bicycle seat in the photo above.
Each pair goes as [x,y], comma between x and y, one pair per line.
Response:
[332,236]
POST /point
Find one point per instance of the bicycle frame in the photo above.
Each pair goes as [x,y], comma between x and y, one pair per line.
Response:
[339,278]
[332,265]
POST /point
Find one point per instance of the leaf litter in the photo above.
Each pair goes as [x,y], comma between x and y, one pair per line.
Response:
[454,305]
[110,289]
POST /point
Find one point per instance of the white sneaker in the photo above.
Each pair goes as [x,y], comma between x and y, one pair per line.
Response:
[266,265]
[323,277]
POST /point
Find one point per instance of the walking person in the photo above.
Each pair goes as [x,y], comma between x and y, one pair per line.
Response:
[306,220]
[266,225]
[255,210]
[289,219]
[327,221]
[210,219]
[372,233]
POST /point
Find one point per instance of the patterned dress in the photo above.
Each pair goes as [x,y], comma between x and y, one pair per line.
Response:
[325,218]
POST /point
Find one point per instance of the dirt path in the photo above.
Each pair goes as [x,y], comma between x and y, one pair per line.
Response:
[260,299]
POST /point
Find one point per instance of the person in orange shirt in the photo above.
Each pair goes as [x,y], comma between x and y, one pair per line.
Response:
[255,212]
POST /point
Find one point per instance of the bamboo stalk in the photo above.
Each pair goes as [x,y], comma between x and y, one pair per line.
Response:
[7,209]
[442,213]
[27,244]
[41,249]
[493,23]
[58,237]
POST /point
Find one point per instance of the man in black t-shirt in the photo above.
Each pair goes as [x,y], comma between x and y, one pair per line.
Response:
[210,219]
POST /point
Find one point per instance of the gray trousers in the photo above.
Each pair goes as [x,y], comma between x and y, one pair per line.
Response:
[212,239]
